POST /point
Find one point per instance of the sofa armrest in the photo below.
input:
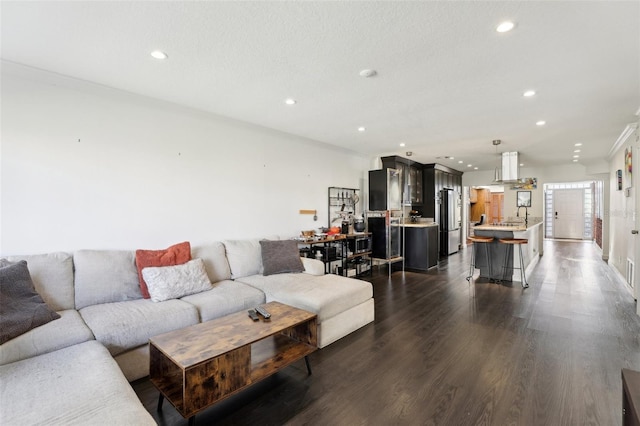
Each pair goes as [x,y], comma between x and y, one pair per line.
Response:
[312,266]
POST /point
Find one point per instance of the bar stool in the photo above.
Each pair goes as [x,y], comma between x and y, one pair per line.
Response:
[513,242]
[472,265]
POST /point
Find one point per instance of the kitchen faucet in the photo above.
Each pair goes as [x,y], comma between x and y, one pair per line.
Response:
[526,214]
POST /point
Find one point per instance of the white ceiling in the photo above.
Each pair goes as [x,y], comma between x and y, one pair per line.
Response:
[447,83]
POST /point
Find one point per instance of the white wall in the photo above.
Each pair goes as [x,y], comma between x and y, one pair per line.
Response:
[84,166]
[623,209]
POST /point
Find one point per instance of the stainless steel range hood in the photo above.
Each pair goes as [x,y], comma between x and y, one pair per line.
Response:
[510,167]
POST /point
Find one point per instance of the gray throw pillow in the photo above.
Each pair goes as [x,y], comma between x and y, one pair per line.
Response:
[280,256]
[21,307]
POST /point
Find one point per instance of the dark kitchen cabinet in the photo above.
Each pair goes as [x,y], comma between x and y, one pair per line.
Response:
[411,181]
[421,247]
[415,185]
[384,190]
[437,177]
[439,180]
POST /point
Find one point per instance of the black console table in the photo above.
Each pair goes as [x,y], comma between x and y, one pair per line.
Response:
[630,397]
[351,253]
[328,249]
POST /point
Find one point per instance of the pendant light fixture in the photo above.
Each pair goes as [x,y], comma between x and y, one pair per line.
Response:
[497,173]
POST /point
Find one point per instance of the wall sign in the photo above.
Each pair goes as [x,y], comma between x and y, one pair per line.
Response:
[526,183]
[619,174]
[628,167]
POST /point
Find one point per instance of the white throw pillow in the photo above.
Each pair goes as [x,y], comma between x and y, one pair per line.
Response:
[313,266]
[173,282]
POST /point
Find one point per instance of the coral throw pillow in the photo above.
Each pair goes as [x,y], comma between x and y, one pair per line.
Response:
[175,255]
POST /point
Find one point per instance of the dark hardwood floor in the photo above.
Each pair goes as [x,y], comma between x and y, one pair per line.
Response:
[443,352]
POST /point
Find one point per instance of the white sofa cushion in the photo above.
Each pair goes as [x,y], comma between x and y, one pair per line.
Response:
[226,297]
[326,295]
[215,260]
[121,326]
[68,330]
[52,276]
[312,266]
[105,276]
[338,326]
[173,282]
[244,256]
[78,385]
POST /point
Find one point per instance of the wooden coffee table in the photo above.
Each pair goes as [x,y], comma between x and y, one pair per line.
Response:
[197,366]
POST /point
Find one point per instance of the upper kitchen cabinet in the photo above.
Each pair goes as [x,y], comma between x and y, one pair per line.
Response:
[436,178]
[473,195]
[415,185]
[411,181]
[384,189]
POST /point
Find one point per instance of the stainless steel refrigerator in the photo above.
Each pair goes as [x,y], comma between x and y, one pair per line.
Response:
[450,221]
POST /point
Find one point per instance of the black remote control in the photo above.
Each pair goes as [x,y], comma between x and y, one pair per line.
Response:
[262,311]
[253,315]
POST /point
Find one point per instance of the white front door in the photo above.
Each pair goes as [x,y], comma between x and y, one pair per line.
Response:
[568,213]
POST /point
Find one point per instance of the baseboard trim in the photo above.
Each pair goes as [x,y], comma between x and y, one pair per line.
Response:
[623,279]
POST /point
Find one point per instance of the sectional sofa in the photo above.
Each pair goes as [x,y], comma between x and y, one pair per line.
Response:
[76,369]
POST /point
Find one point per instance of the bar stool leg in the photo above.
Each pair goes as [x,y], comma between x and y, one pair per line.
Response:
[486,250]
[472,264]
[523,275]
[505,266]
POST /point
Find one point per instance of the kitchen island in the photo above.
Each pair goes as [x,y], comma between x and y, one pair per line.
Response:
[499,252]
[421,245]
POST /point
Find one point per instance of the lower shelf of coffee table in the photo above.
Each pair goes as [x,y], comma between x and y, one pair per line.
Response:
[270,355]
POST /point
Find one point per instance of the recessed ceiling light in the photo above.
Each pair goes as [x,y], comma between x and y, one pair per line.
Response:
[521,164]
[475,168]
[505,26]
[403,144]
[576,156]
[541,123]
[460,161]
[577,144]
[159,54]
[469,165]
[290,101]
[576,150]
[529,93]
[575,161]
[361,129]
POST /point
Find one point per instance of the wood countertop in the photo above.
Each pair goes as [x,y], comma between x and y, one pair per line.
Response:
[418,225]
[510,227]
